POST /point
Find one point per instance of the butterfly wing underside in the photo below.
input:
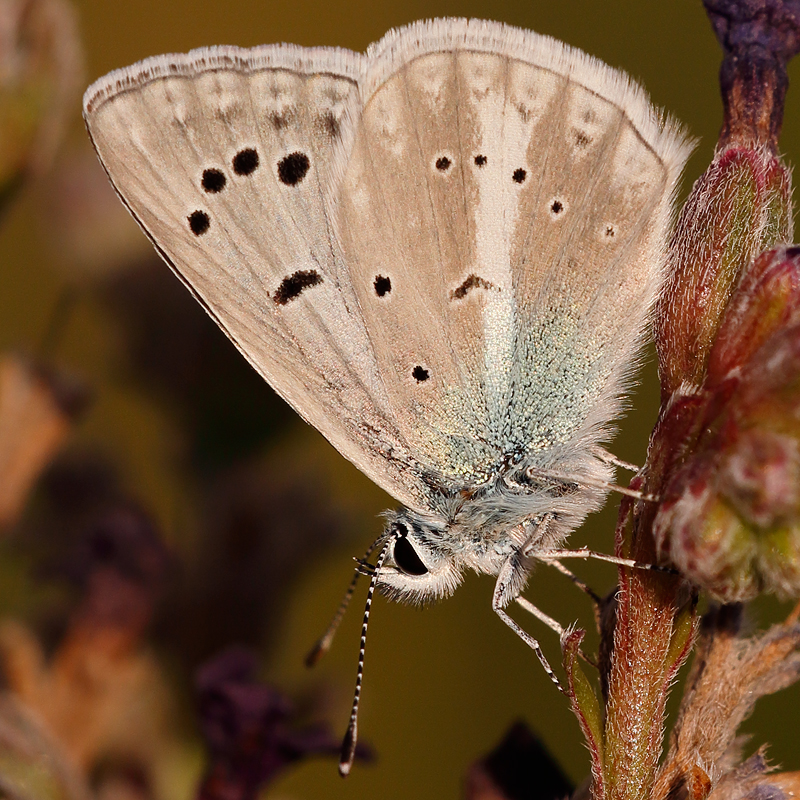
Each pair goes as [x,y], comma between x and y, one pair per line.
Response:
[438,253]
[222,157]
[515,195]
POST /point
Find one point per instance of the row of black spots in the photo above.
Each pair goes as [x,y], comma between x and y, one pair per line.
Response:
[443,164]
[292,169]
[244,163]
[383,286]
[518,175]
[214,180]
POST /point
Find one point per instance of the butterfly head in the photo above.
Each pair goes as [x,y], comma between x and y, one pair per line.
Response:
[420,564]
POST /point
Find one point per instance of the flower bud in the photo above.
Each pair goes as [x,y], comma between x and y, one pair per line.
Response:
[730,513]
[766,300]
[739,207]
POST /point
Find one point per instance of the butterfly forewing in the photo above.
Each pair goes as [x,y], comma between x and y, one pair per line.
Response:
[225,168]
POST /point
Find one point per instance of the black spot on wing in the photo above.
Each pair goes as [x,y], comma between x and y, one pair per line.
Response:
[443,163]
[293,285]
[582,139]
[281,119]
[557,207]
[199,222]
[420,374]
[480,161]
[246,161]
[383,285]
[523,111]
[213,180]
[519,175]
[471,282]
[293,168]
[228,114]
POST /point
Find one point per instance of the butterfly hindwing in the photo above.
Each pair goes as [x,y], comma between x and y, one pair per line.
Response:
[515,195]
[401,218]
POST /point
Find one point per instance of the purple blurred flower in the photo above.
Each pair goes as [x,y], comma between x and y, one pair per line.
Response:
[249,729]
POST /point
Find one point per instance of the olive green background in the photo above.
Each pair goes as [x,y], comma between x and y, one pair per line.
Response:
[442,685]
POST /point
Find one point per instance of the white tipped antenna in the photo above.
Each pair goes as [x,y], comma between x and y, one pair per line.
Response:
[351,737]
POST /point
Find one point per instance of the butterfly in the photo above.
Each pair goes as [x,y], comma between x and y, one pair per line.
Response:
[442,253]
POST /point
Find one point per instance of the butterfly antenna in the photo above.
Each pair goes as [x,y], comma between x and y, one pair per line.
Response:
[351,737]
[323,644]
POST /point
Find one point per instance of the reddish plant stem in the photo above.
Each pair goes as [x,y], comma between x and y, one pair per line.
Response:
[643,665]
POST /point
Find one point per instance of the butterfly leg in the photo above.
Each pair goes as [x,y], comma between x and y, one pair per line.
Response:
[523,602]
[610,458]
[532,550]
[549,556]
[551,474]
[506,589]
[577,581]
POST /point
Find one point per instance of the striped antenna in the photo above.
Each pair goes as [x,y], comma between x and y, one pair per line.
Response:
[350,738]
[323,644]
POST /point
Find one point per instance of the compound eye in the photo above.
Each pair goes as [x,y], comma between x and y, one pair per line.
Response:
[406,558]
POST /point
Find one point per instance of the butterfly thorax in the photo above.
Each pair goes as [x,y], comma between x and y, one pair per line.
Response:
[480,528]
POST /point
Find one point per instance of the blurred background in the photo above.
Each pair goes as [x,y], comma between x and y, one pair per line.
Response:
[180,508]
